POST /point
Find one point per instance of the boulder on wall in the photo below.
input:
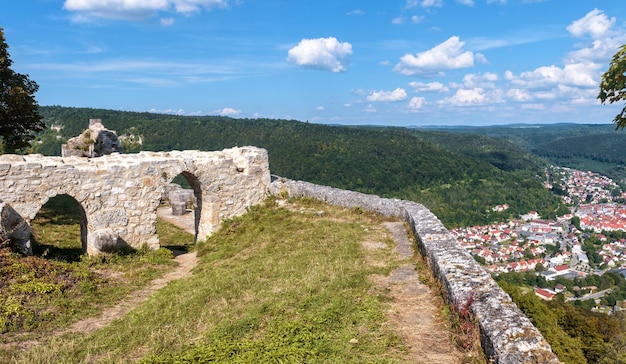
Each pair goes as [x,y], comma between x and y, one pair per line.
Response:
[93,142]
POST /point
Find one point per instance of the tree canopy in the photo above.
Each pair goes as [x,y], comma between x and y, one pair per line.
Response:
[19,116]
[613,84]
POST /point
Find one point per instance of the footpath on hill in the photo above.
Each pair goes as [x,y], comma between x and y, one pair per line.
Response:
[414,311]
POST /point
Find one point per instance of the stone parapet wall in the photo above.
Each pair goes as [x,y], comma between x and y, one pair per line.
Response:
[118,194]
[507,335]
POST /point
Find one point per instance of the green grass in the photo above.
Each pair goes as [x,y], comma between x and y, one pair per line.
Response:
[275,285]
[59,285]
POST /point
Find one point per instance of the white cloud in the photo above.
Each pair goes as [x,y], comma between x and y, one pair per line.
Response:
[370,108]
[595,23]
[398,94]
[417,103]
[518,95]
[464,96]
[474,97]
[423,3]
[577,74]
[466,2]
[605,39]
[166,22]
[320,108]
[498,1]
[430,3]
[227,111]
[137,9]
[417,18]
[428,87]
[168,111]
[485,80]
[398,20]
[533,106]
[445,56]
[321,53]
[356,12]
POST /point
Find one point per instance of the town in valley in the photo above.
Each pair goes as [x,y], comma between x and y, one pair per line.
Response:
[564,253]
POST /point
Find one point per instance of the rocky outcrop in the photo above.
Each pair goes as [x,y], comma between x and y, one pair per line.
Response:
[93,142]
[507,335]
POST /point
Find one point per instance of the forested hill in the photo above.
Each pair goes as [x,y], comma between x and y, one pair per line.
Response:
[456,177]
[593,147]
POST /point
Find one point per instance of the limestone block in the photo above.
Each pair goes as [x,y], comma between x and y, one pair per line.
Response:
[102,240]
[14,228]
[178,208]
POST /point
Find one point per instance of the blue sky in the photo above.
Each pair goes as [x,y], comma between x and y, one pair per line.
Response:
[384,62]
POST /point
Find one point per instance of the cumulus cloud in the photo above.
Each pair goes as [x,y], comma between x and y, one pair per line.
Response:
[448,55]
[321,53]
[134,9]
[577,74]
[466,2]
[595,23]
[518,95]
[417,18]
[398,94]
[320,108]
[228,111]
[474,97]
[605,39]
[417,103]
[428,87]
[485,80]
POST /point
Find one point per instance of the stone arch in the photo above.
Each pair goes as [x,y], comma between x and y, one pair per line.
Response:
[63,202]
[196,186]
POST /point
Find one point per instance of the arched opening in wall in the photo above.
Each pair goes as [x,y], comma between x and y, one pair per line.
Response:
[179,213]
[59,230]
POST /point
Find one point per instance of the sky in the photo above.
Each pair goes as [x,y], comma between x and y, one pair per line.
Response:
[382,62]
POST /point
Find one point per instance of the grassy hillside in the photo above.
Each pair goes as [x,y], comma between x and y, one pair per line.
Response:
[283,283]
[459,178]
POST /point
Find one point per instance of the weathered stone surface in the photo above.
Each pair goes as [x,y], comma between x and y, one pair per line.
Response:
[121,192]
[178,208]
[14,228]
[103,240]
[96,141]
[508,337]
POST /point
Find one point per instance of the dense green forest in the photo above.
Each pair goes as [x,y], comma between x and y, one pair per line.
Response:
[598,148]
[459,178]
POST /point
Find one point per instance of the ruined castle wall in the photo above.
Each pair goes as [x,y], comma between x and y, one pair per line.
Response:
[119,193]
[507,335]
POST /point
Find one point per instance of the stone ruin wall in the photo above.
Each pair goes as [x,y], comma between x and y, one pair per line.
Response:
[507,335]
[119,194]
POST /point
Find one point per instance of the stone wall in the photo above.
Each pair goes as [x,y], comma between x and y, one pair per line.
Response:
[118,194]
[507,335]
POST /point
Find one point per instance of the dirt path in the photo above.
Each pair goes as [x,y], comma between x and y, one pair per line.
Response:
[415,313]
[186,262]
